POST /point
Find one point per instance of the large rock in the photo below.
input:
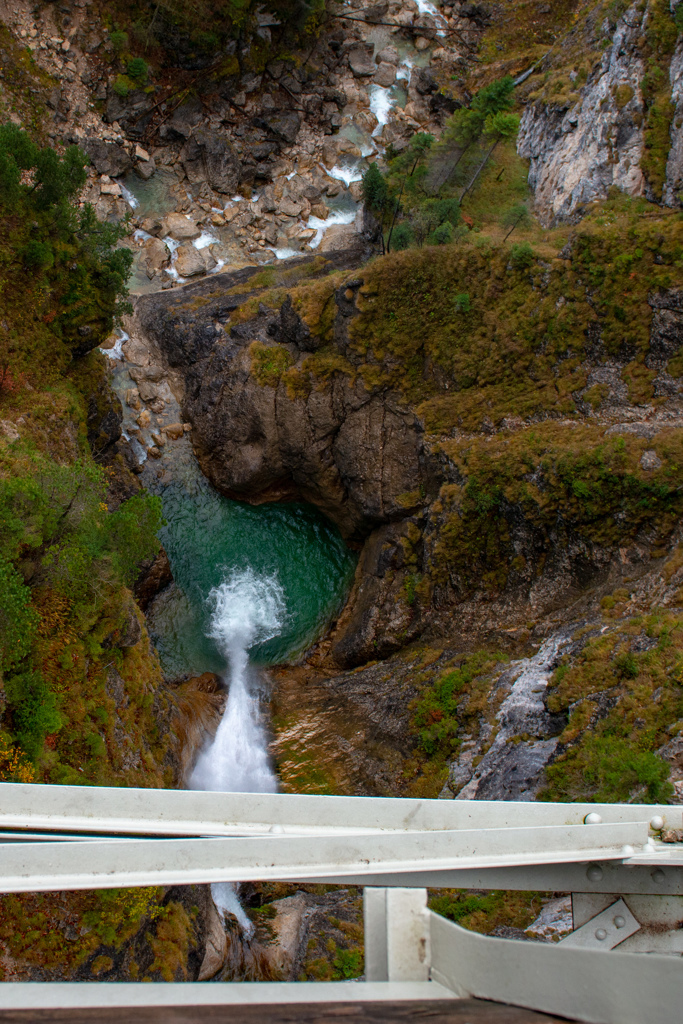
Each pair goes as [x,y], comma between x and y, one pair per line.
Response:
[189,261]
[107,157]
[361,61]
[208,156]
[284,124]
[180,227]
[153,257]
[385,75]
[339,236]
[673,185]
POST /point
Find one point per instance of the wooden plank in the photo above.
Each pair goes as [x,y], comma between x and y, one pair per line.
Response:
[458,1011]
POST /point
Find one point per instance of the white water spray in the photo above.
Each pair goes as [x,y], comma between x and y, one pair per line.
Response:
[247,610]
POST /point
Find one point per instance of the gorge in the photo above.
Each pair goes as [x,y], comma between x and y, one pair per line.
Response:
[397,391]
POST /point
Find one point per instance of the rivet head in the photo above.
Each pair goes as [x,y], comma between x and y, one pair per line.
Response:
[592,819]
[658,875]
[619,921]
[594,873]
[600,934]
[627,851]
[657,823]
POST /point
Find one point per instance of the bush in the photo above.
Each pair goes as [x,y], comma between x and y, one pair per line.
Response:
[119,41]
[402,236]
[374,189]
[18,620]
[522,256]
[462,302]
[138,70]
[34,711]
[443,235]
[38,254]
[122,86]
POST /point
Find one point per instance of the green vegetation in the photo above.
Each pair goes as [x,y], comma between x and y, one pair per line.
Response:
[485,911]
[420,197]
[624,703]
[435,714]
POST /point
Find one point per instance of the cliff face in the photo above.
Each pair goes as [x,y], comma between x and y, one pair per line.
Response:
[486,494]
[606,113]
[578,151]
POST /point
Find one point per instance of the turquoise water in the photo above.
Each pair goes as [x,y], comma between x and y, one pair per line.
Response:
[208,537]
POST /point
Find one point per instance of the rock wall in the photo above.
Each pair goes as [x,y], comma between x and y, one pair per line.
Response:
[578,153]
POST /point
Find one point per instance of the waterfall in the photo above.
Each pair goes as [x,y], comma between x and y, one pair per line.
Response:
[247,609]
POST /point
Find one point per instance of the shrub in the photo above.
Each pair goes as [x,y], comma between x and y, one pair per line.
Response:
[34,711]
[18,620]
[375,190]
[522,256]
[119,41]
[443,235]
[402,236]
[38,254]
[138,69]
[462,302]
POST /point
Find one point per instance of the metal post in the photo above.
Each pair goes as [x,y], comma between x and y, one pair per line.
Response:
[397,944]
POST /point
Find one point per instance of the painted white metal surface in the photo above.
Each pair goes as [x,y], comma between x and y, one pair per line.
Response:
[582,984]
[136,862]
[660,919]
[91,995]
[193,813]
[607,929]
[396,934]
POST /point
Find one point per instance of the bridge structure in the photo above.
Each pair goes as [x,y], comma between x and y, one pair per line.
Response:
[622,863]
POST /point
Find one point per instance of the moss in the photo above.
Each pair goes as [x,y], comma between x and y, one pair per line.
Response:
[484,911]
[269,363]
[622,700]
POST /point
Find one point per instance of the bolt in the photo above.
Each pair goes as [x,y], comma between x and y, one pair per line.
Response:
[594,873]
[600,934]
[619,922]
[627,851]
[592,819]
[657,823]
[658,875]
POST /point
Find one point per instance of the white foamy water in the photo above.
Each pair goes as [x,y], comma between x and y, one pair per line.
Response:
[338,217]
[129,197]
[247,610]
[205,239]
[115,352]
[381,103]
[348,172]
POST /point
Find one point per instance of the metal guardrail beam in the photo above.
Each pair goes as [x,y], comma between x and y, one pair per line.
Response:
[84,809]
[94,864]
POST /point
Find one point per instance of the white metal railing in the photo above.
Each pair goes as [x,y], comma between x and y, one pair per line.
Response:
[611,857]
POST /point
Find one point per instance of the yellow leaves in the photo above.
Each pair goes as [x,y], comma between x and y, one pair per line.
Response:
[14,767]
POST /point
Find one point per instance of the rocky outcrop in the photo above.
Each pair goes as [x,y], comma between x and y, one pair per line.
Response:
[578,152]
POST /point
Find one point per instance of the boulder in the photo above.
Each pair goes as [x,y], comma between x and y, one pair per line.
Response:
[185,118]
[153,257]
[284,124]
[189,261]
[389,55]
[145,169]
[385,75]
[361,62]
[223,168]
[338,236]
[179,226]
[107,157]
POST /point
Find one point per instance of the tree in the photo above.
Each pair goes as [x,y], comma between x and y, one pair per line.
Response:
[516,216]
[77,257]
[498,126]
[465,127]
[375,191]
